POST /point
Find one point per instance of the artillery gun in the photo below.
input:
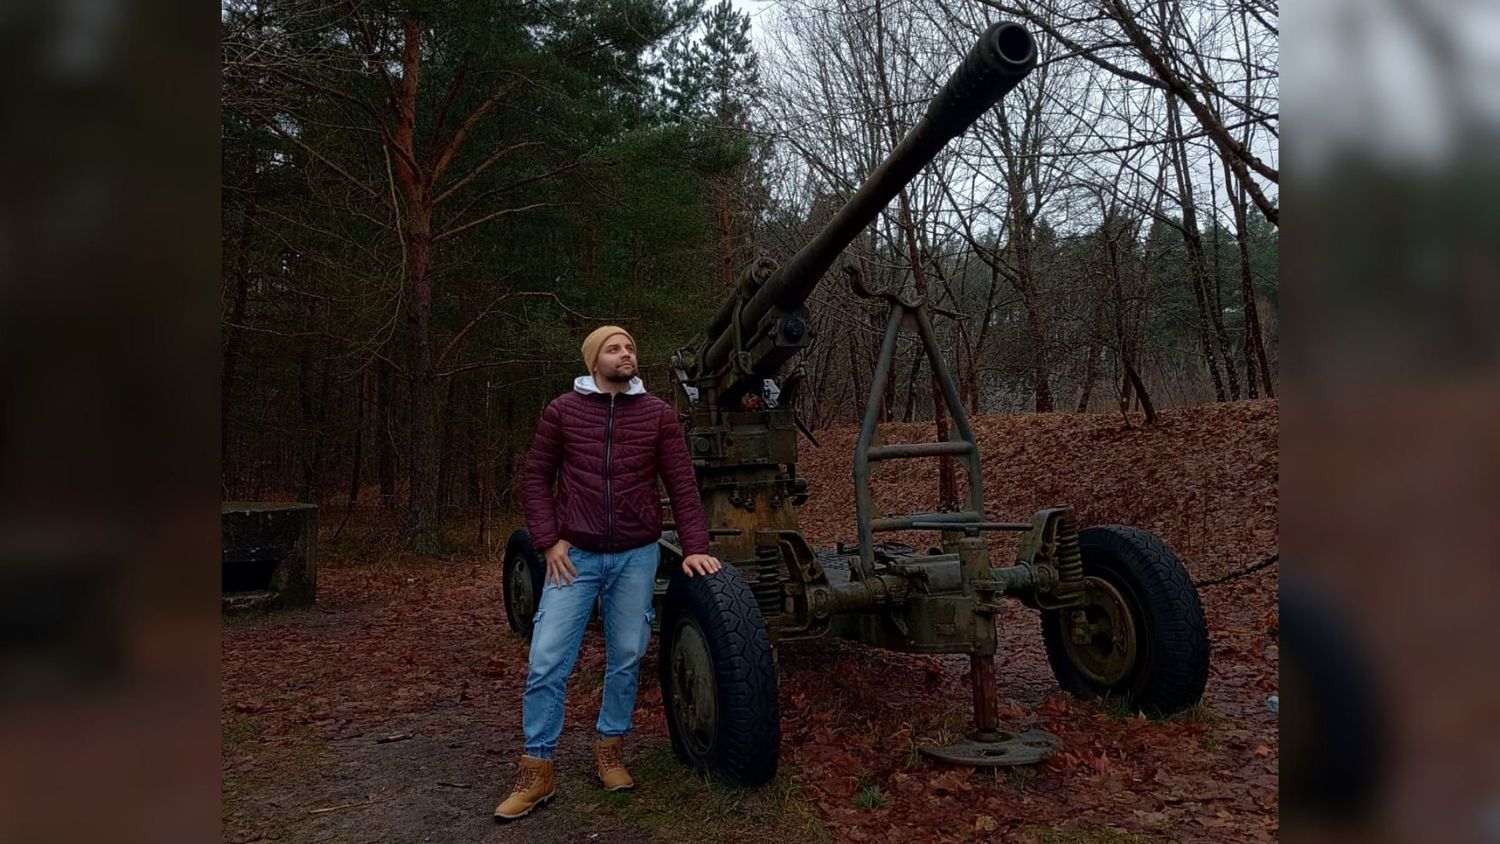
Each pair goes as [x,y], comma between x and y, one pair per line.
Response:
[1119,615]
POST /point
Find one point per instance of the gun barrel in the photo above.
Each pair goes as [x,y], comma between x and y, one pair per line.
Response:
[1003,56]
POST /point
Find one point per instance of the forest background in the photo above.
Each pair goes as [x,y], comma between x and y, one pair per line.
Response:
[426,205]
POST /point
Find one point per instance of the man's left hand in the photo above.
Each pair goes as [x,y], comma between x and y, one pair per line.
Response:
[700,564]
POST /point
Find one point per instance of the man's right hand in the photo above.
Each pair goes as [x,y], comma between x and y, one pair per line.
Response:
[559,565]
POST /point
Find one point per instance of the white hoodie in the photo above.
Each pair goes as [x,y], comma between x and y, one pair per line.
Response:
[585,384]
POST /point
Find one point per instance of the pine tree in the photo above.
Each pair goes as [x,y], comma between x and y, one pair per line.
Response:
[714,73]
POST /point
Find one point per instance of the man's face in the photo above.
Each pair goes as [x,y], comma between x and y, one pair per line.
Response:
[616,361]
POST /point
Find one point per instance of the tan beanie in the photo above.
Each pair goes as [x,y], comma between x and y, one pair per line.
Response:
[595,341]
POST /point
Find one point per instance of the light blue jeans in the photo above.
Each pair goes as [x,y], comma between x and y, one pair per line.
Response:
[625,580]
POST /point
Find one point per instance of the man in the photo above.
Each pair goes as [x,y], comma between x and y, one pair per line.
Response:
[604,444]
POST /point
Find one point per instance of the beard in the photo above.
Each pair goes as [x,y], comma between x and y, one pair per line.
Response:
[619,373]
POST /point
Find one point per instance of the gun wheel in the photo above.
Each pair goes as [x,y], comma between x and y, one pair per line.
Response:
[1140,633]
[522,578]
[718,679]
[1100,637]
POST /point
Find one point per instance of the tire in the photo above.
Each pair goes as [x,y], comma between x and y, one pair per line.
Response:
[522,582]
[726,720]
[1160,664]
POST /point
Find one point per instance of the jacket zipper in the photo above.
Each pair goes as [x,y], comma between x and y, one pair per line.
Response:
[609,504]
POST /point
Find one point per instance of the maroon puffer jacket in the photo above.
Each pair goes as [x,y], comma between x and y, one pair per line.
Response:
[605,452]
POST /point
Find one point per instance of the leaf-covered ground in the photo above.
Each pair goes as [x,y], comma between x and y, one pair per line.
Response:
[391,712]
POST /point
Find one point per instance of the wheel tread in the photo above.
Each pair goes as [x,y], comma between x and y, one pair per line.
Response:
[750,721]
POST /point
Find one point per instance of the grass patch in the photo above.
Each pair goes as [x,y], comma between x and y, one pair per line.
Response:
[1019,775]
[678,804]
[1119,707]
[867,795]
[934,728]
[913,757]
[1199,713]
[1087,835]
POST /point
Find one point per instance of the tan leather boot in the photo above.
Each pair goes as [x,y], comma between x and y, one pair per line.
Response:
[609,755]
[533,788]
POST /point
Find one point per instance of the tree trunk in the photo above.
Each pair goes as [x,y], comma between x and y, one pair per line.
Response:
[947,482]
[1255,344]
[971,371]
[385,435]
[505,464]
[232,342]
[1132,386]
[1140,391]
[1039,366]
[321,435]
[482,466]
[422,513]
[988,317]
[911,388]
[477,451]
[947,479]
[854,373]
[965,365]
[229,480]
[1110,234]
[358,457]
[307,419]
[357,465]
[1091,360]
[1194,245]
[822,365]
[722,197]
[448,413]
[1021,236]
[888,396]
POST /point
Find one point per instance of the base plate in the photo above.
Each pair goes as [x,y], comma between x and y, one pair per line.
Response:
[1025,748]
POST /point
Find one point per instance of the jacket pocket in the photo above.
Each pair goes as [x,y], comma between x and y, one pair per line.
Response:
[582,513]
[646,513]
[651,512]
